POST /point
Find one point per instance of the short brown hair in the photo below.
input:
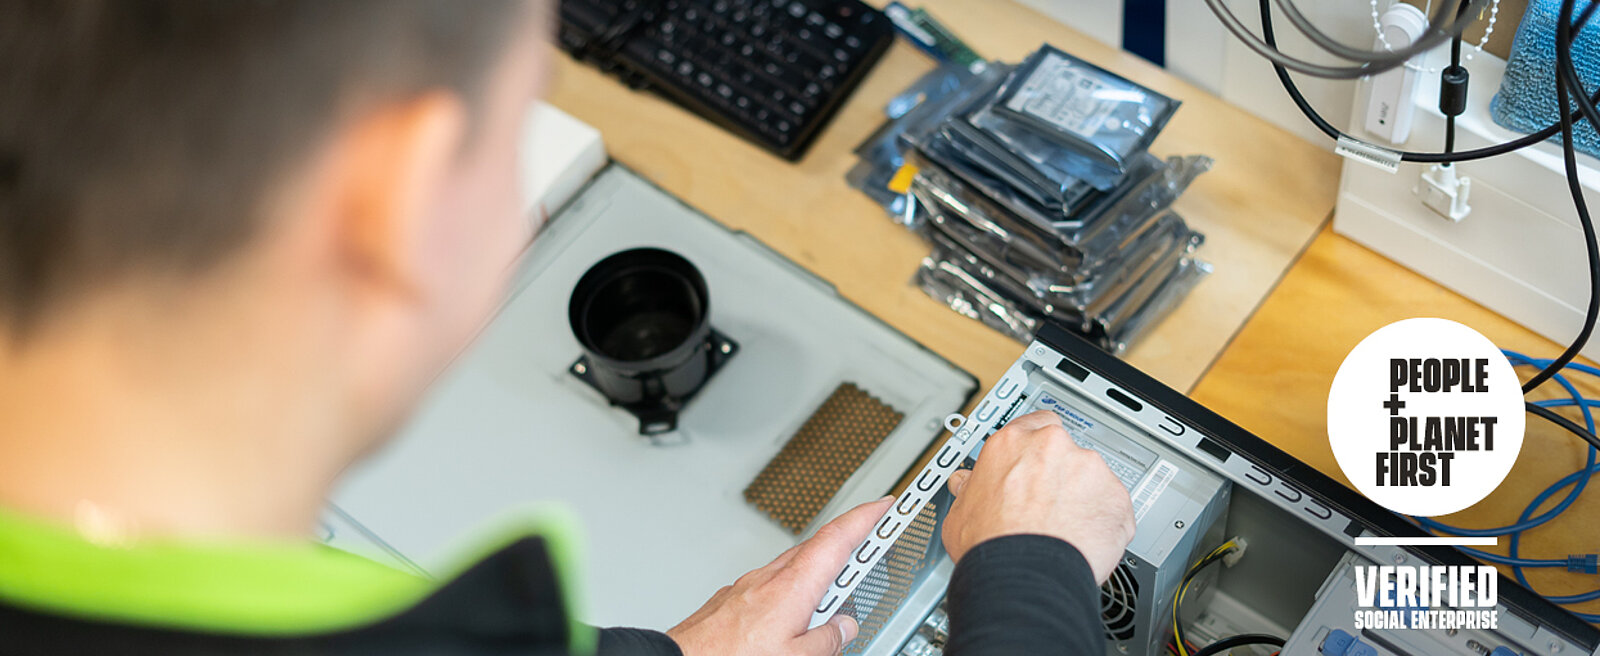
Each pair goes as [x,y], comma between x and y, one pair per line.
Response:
[146,133]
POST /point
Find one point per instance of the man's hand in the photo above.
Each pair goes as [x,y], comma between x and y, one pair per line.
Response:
[766,611]
[1032,479]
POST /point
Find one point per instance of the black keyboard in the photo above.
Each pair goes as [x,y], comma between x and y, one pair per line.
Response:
[770,71]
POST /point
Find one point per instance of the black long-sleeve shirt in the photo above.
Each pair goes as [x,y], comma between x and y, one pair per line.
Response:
[1019,594]
[1024,594]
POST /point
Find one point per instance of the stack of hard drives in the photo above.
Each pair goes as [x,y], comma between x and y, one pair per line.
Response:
[1034,187]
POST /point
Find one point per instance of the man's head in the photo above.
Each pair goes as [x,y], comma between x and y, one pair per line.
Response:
[329,180]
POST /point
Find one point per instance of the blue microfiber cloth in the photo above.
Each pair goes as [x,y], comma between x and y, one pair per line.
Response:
[1526,101]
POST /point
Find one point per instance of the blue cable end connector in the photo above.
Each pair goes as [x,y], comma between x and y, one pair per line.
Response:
[1337,643]
[1583,563]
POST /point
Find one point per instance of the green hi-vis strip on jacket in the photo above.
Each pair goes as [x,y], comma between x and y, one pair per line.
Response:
[238,588]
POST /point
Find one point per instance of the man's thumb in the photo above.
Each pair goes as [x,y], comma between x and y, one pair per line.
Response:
[958,480]
[829,639]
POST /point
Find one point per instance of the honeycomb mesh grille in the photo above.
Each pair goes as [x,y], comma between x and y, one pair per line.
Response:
[806,474]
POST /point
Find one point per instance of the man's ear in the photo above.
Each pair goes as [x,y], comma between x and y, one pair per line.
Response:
[395,165]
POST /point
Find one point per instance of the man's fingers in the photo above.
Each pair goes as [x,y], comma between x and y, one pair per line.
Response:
[788,554]
[1014,437]
[828,639]
[1036,420]
[783,558]
[820,558]
[958,480]
[1042,428]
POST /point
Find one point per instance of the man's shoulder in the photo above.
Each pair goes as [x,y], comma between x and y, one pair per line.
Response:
[510,601]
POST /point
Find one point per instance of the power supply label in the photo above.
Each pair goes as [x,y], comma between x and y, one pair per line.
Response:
[1151,488]
[1127,460]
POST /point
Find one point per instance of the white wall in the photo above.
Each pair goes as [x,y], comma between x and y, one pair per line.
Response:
[1200,50]
[1101,19]
[1196,43]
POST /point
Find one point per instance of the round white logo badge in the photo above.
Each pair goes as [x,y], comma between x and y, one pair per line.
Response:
[1425,417]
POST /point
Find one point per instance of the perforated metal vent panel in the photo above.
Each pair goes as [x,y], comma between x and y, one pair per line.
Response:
[806,474]
[885,587]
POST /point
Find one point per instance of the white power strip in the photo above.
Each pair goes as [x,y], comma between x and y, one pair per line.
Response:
[1520,250]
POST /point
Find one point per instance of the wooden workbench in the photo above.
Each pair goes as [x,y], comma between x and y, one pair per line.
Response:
[1258,208]
[1274,381]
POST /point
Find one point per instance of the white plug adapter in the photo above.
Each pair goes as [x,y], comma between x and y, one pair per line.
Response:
[1444,192]
[1389,105]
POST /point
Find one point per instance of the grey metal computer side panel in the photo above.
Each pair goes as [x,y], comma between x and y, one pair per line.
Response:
[666,524]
